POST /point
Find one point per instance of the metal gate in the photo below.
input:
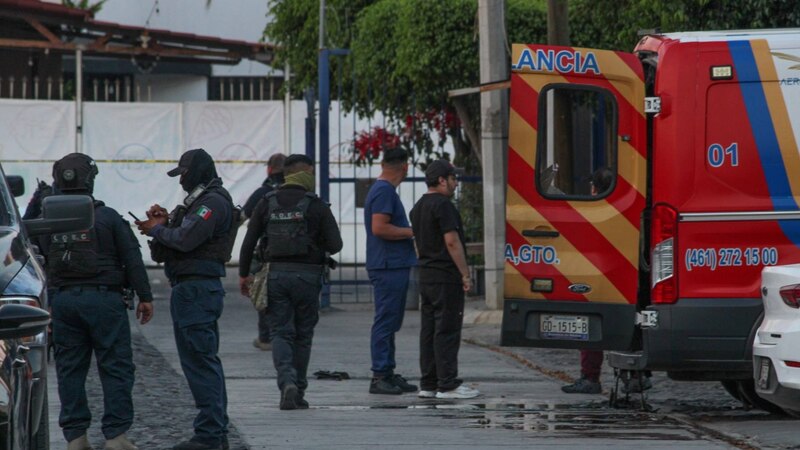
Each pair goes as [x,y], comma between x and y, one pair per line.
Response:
[349,167]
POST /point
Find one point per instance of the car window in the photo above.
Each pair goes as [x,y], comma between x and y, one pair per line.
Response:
[8,215]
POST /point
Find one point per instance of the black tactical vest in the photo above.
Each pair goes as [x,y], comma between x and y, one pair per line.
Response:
[77,254]
[218,248]
[287,227]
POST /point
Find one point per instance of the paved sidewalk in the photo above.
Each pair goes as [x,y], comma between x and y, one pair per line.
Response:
[520,408]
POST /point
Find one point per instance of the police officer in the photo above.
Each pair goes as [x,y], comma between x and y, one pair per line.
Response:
[296,230]
[87,271]
[194,241]
[274,179]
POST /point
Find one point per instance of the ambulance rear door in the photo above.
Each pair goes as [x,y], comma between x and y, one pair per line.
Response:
[576,191]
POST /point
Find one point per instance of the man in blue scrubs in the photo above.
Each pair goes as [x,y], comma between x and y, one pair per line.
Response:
[390,256]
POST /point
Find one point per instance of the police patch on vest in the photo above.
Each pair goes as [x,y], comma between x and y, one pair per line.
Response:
[291,215]
[204,212]
[64,238]
[287,229]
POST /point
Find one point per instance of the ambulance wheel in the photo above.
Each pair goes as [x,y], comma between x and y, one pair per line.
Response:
[732,388]
[747,388]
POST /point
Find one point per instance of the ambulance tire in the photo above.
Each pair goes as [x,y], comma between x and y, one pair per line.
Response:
[747,388]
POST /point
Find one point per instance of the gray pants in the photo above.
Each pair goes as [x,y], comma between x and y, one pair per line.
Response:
[292,312]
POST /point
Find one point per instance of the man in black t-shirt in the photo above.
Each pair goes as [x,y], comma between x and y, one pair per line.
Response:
[444,278]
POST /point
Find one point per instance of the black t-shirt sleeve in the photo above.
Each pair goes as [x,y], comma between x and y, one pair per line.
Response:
[447,214]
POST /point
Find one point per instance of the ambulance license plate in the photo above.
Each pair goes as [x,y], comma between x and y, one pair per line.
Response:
[763,374]
[574,328]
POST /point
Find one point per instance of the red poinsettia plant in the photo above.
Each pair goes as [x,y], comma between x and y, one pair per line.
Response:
[415,134]
[369,145]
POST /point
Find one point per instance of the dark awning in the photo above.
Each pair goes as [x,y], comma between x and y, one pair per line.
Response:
[65,29]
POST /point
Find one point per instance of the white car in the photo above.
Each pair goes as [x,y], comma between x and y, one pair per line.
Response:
[776,347]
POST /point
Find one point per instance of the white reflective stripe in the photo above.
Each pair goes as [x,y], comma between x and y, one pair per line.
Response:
[739,216]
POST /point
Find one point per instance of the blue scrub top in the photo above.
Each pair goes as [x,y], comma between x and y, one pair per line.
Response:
[382,253]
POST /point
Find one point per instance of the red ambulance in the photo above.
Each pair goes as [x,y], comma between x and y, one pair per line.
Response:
[660,260]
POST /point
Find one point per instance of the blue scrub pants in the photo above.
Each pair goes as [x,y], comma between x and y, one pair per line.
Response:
[195,306]
[390,286]
[86,320]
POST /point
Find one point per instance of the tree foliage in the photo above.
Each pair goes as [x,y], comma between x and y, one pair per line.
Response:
[295,29]
[614,24]
[85,4]
[407,54]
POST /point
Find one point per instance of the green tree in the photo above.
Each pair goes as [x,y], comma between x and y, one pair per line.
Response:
[85,4]
[295,29]
[614,24]
[406,56]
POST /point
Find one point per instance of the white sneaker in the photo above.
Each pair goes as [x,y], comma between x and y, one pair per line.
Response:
[459,392]
[81,443]
[120,442]
[426,394]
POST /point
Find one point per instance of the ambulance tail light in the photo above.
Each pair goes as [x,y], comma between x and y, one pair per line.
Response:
[663,281]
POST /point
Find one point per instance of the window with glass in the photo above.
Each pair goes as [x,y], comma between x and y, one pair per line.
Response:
[577,145]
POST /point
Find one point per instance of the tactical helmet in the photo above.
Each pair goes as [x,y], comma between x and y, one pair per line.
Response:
[75,172]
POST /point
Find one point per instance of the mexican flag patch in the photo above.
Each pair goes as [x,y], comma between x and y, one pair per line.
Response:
[204,212]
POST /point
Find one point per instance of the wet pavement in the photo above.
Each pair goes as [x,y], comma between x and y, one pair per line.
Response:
[522,405]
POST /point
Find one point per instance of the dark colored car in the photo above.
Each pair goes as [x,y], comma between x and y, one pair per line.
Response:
[23,312]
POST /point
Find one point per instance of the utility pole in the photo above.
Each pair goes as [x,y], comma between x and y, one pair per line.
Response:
[79,99]
[557,22]
[323,91]
[494,143]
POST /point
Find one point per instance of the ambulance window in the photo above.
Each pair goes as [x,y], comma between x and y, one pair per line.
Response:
[577,146]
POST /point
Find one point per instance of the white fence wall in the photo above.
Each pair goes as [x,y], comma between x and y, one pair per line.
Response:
[135,144]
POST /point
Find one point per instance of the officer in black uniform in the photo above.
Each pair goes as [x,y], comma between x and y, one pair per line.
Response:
[274,179]
[87,271]
[194,241]
[296,230]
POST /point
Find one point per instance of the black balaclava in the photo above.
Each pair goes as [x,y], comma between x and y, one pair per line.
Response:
[75,172]
[195,167]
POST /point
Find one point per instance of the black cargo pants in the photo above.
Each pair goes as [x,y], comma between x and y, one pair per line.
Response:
[292,312]
[442,313]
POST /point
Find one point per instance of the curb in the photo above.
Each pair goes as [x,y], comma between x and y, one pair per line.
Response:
[477,316]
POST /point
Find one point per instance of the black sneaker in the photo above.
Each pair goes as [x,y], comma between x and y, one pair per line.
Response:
[196,444]
[401,382]
[583,386]
[289,397]
[384,385]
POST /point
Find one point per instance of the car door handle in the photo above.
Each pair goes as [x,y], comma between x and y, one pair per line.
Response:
[541,233]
